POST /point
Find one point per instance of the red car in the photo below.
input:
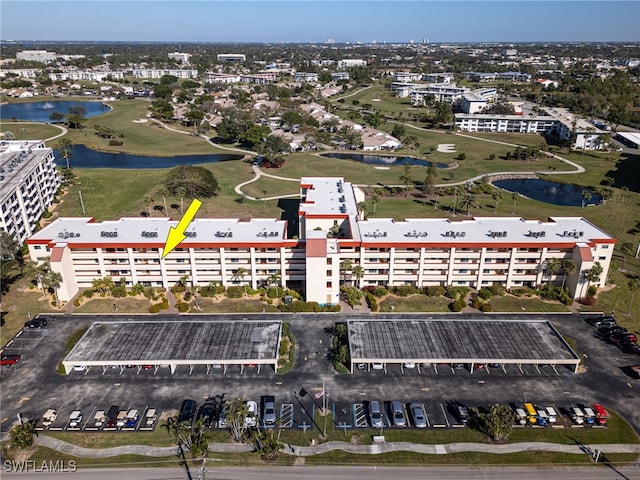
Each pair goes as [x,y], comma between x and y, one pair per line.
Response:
[9,360]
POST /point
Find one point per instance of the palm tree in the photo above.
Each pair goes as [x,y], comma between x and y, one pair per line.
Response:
[586,196]
[553,266]
[627,249]
[239,275]
[102,285]
[237,412]
[21,435]
[53,280]
[37,272]
[456,192]
[593,275]
[634,286]
[469,201]
[274,279]
[514,197]
[358,273]
[213,288]
[406,179]
[64,146]
[345,266]
[569,268]
[497,196]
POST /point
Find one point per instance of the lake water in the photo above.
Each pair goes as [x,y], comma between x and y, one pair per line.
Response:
[548,192]
[41,111]
[83,157]
[389,160]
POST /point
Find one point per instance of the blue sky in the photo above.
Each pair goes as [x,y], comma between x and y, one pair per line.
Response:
[316,21]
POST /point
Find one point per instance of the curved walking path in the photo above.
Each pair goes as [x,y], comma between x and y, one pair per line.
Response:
[375,449]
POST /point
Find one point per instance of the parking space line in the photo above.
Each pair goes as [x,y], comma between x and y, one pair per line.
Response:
[446,419]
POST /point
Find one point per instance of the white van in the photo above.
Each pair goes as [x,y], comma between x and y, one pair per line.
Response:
[577,416]
[553,416]
[521,416]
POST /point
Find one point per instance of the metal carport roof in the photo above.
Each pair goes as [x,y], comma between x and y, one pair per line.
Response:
[175,343]
[458,341]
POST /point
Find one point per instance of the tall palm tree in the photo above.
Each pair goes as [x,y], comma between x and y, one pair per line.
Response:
[634,286]
[593,275]
[239,275]
[569,267]
[37,272]
[406,179]
[497,196]
[469,201]
[358,273]
[553,266]
[345,266]
[586,196]
[53,280]
[274,279]
[514,197]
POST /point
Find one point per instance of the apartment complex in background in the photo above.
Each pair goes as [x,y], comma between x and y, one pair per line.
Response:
[328,230]
[28,183]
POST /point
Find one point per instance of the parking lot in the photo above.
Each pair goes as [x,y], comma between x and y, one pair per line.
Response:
[31,386]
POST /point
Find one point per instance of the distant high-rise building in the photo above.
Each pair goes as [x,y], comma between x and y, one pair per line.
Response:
[330,41]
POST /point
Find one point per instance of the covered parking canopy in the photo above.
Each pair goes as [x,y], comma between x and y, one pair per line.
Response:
[479,341]
[173,343]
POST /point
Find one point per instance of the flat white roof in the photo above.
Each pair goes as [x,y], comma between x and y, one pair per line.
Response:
[633,136]
[154,230]
[481,230]
[328,196]
[17,160]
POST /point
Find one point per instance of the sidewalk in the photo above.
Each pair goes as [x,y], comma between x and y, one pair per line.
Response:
[309,451]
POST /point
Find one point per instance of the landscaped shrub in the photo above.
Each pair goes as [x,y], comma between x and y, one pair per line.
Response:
[183,307]
[485,293]
[485,307]
[352,294]
[76,302]
[372,303]
[497,289]
[456,306]
[235,291]
[87,293]
[274,292]
[457,292]
[119,292]
[404,290]
[155,308]
[435,291]
[592,291]
[177,289]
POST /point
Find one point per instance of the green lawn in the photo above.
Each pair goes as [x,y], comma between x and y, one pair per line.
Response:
[511,303]
[29,131]
[415,303]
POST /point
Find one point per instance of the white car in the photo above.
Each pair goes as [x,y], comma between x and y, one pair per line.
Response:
[75,418]
[252,414]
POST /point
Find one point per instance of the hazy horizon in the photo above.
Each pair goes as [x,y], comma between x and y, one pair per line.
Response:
[357,21]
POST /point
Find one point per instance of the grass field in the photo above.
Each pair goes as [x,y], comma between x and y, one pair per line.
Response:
[29,131]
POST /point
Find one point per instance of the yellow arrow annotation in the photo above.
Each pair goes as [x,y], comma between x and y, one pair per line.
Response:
[176,234]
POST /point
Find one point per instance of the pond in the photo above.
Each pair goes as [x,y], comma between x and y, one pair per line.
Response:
[83,157]
[41,111]
[564,194]
[383,159]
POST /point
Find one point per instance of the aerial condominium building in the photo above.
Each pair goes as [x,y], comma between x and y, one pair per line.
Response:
[474,252]
[28,184]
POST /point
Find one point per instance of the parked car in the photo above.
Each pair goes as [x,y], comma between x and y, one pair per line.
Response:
[521,416]
[397,414]
[463,414]
[112,416]
[589,415]
[222,418]
[417,415]
[606,331]
[601,414]
[375,414]
[377,366]
[625,337]
[75,418]
[252,414]
[121,419]
[49,417]
[38,322]
[99,419]
[629,347]
[187,411]
[551,412]
[151,417]
[8,360]
[268,403]
[132,418]
[601,320]
[577,416]
[205,413]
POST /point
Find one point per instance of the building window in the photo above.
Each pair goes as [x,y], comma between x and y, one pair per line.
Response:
[329,285]
[605,247]
[37,247]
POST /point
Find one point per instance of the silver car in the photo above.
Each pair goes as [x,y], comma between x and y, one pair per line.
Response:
[375,414]
[417,415]
[397,414]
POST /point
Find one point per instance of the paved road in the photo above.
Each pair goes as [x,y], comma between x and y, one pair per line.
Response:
[568,472]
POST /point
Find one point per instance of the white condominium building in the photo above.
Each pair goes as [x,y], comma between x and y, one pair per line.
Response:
[422,252]
[28,183]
